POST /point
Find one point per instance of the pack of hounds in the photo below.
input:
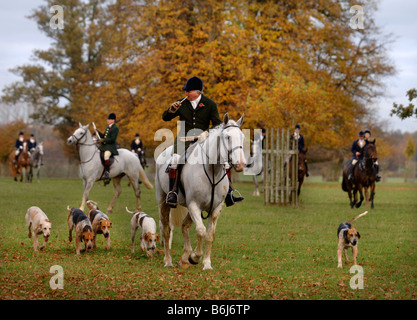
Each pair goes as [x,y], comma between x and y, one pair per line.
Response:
[88,226]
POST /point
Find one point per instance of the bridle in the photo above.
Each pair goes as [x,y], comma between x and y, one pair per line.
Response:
[212,180]
[84,144]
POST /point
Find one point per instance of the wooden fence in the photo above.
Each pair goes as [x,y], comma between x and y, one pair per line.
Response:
[280,185]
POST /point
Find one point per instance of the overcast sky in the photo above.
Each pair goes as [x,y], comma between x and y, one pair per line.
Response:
[19,36]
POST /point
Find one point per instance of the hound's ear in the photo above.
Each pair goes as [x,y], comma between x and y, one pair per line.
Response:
[157,237]
[240,121]
[226,118]
[358,235]
[147,236]
[111,224]
[345,233]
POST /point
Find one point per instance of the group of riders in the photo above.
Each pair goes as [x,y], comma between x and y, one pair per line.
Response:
[358,148]
[31,146]
[197,111]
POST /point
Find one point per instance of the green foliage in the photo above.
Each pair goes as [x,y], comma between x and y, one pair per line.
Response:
[404,112]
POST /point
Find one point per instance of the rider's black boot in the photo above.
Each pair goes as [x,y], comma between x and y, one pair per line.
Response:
[172,197]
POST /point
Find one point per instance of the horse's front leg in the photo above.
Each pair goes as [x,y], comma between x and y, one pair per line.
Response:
[117,192]
[211,229]
[164,211]
[366,196]
[88,185]
[355,197]
[372,195]
[361,196]
[195,214]
[186,225]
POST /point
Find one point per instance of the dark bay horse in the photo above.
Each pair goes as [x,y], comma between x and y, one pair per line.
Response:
[364,175]
[23,162]
[302,170]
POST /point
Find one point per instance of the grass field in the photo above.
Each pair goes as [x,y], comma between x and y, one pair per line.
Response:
[260,252]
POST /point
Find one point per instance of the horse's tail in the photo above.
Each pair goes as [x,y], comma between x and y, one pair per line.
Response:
[144,178]
[357,217]
[177,215]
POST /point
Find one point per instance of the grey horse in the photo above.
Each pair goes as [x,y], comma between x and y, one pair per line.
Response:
[36,161]
[205,186]
[126,163]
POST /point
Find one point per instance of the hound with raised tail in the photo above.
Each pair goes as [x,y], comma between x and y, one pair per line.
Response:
[149,236]
[38,223]
[100,223]
[79,221]
[348,238]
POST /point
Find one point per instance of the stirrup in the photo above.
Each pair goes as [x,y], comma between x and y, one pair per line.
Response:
[171,204]
[231,199]
[106,178]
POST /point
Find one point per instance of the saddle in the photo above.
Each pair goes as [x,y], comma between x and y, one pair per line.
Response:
[102,158]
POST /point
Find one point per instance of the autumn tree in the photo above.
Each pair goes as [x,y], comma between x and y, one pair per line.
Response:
[279,62]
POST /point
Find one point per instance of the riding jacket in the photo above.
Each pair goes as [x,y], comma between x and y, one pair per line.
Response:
[110,136]
[196,120]
[357,148]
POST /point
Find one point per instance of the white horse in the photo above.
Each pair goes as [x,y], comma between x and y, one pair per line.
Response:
[126,163]
[205,185]
[35,161]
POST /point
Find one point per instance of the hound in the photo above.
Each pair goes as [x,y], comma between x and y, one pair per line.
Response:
[101,224]
[37,220]
[79,221]
[348,238]
[149,235]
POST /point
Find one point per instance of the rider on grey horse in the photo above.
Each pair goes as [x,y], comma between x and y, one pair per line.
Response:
[108,143]
[196,110]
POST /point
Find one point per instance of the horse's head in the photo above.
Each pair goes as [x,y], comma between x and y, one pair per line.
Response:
[79,136]
[370,151]
[39,148]
[301,160]
[233,138]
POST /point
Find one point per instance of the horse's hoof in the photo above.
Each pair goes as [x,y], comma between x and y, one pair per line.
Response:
[183,264]
[358,205]
[168,265]
[207,268]
[191,260]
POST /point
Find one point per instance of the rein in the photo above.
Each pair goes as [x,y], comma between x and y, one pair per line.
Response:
[212,181]
[85,144]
